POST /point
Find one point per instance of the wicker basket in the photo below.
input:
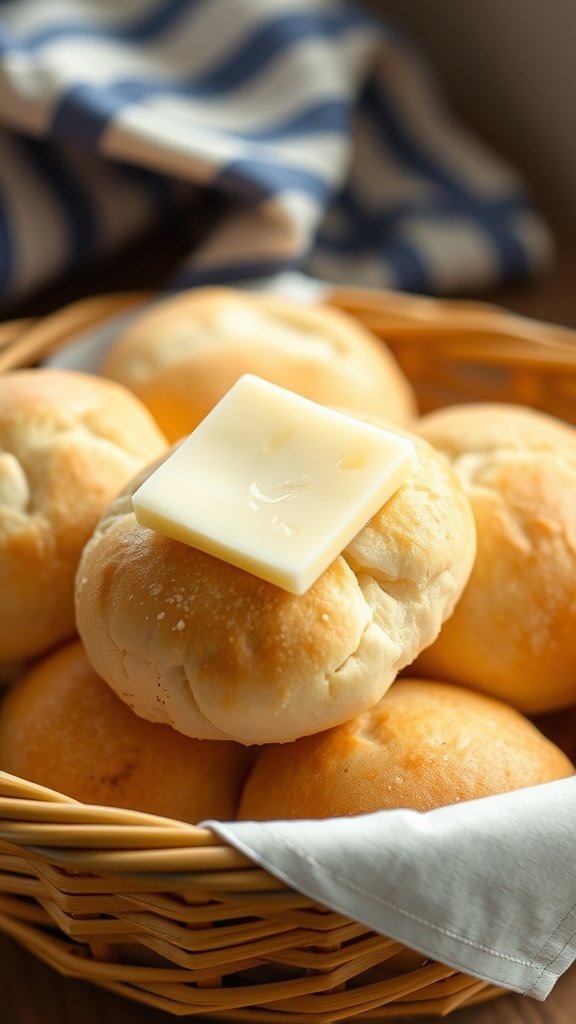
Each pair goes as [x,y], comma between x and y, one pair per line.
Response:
[164,912]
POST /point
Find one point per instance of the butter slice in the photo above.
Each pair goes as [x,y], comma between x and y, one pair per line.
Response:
[274,483]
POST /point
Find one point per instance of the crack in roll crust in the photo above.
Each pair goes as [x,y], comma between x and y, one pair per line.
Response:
[187,639]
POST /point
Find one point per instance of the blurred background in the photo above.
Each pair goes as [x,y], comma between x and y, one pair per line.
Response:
[508,71]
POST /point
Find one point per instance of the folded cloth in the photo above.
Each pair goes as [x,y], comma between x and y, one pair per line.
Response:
[316,121]
[487,887]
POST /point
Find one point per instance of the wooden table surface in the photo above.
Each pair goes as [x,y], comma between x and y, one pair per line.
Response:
[32,993]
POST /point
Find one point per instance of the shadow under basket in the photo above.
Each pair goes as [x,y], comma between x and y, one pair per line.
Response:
[167,914]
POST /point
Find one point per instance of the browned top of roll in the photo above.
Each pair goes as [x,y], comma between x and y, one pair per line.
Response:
[62,727]
[424,745]
[181,355]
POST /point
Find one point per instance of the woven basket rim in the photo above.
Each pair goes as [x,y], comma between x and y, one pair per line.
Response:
[491,331]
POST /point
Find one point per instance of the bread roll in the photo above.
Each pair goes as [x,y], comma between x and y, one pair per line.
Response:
[424,745]
[513,633]
[188,639]
[183,354]
[62,727]
[68,443]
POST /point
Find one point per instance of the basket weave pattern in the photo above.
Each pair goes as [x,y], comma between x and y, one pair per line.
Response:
[164,912]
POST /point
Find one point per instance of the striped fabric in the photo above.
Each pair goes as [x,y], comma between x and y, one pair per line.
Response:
[317,121]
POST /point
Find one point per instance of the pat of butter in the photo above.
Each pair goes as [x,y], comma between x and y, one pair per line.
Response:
[274,483]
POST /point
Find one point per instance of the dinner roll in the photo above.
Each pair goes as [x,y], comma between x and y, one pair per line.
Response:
[513,633]
[62,727]
[68,443]
[188,639]
[181,355]
[425,744]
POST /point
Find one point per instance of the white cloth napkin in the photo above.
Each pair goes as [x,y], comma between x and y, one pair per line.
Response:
[314,122]
[487,887]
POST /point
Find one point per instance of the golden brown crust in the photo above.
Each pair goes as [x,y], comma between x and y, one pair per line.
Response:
[183,354]
[68,443]
[62,727]
[424,745]
[187,639]
[513,633]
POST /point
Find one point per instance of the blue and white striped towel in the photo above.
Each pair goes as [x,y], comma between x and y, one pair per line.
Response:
[317,121]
